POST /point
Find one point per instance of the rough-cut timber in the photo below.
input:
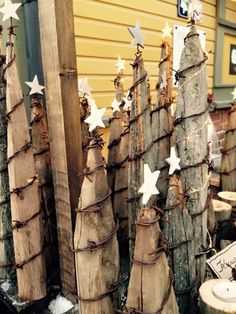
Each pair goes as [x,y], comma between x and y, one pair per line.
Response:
[42,159]
[228,163]
[162,123]
[95,242]
[150,288]
[25,209]
[178,230]
[140,142]
[6,247]
[84,113]
[63,112]
[191,134]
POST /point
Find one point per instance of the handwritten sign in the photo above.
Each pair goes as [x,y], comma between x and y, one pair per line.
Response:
[223,262]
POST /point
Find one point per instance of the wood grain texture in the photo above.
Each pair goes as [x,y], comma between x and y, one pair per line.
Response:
[28,239]
[149,283]
[63,114]
[6,245]
[96,270]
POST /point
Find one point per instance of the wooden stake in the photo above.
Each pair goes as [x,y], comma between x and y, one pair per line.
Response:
[6,245]
[228,163]
[84,113]
[178,230]
[25,210]
[150,288]
[96,247]
[191,133]
[42,158]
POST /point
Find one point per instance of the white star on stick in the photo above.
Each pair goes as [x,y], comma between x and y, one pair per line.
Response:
[35,87]
[127,101]
[83,87]
[135,32]
[120,65]
[173,161]
[149,186]
[166,32]
[115,105]
[95,118]
[234,94]
[9,10]
[163,80]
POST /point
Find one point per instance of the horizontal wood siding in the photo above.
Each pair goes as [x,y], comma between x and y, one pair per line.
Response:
[230,12]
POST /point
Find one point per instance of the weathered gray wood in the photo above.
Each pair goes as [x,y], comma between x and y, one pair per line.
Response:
[162,124]
[228,162]
[25,207]
[96,270]
[178,230]
[6,245]
[140,143]
[63,112]
[42,159]
[191,133]
[84,113]
[149,284]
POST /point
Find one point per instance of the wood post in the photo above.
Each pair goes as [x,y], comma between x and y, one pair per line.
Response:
[228,163]
[95,243]
[6,245]
[25,209]
[84,113]
[63,112]
[42,159]
[150,288]
[191,135]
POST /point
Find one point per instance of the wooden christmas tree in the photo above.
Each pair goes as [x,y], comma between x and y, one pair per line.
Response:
[25,209]
[96,247]
[228,163]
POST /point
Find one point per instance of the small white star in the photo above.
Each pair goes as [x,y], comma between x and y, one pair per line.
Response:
[95,118]
[120,65]
[127,101]
[35,87]
[166,32]
[163,80]
[195,10]
[9,10]
[234,94]
[115,105]
[173,161]
[135,32]
[83,87]
[149,186]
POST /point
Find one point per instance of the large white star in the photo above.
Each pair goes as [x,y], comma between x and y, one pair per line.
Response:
[135,32]
[120,65]
[173,161]
[115,105]
[149,186]
[166,32]
[234,94]
[127,101]
[35,87]
[9,10]
[83,87]
[95,118]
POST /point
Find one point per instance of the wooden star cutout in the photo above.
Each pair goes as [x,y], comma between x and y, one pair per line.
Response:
[120,65]
[9,10]
[35,87]
[166,32]
[173,161]
[95,118]
[149,186]
[135,32]
[195,10]
[83,87]
[115,105]
[127,101]
[163,80]
[234,94]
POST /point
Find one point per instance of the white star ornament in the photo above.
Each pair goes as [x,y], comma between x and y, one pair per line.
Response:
[135,32]
[95,118]
[115,105]
[83,87]
[9,10]
[166,32]
[173,161]
[149,186]
[120,65]
[36,88]
[127,101]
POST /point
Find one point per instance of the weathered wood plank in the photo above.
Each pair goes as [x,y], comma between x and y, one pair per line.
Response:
[63,111]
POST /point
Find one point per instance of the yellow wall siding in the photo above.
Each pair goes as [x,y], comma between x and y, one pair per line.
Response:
[230,12]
